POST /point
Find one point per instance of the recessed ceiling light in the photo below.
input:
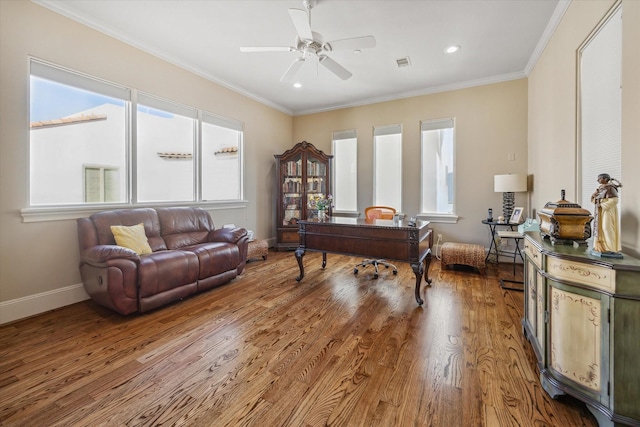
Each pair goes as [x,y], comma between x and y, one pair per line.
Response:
[297,85]
[452,49]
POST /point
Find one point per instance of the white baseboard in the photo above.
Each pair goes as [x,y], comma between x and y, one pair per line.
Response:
[20,308]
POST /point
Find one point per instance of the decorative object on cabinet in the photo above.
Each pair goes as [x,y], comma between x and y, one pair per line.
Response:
[606,235]
[303,175]
[565,223]
[507,185]
[582,318]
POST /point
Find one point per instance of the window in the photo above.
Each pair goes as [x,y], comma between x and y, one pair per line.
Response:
[387,171]
[75,121]
[437,160]
[101,184]
[221,149]
[345,171]
[600,71]
[165,145]
[94,142]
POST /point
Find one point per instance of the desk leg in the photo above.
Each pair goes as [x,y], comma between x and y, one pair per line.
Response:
[419,271]
[299,255]
[324,260]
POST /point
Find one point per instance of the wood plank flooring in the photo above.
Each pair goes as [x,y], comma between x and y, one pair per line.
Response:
[336,349]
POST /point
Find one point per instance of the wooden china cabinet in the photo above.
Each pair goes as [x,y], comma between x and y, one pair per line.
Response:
[303,173]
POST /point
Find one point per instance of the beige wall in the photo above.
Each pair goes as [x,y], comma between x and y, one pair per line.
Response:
[39,261]
[553,112]
[491,122]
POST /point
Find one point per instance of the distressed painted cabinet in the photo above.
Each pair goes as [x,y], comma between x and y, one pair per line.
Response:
[582,317]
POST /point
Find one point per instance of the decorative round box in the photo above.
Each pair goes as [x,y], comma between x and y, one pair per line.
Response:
[565,223]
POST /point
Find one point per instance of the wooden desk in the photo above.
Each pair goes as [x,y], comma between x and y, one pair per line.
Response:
[378,238]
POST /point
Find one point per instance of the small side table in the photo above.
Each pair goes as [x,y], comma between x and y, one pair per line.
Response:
[493,245]
[517,236]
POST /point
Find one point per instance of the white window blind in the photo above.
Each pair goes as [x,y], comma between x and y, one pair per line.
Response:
[345,170]
[601,107]
[387,182]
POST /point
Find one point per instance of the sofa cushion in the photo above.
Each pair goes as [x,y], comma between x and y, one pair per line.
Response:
[215,257]
[147,216]
[132,237]
[184,226]
[164,270]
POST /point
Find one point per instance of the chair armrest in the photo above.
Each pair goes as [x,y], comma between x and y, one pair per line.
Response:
[230,235]
[100,254]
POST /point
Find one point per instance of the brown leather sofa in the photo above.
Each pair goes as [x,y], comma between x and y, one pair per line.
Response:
[188,256]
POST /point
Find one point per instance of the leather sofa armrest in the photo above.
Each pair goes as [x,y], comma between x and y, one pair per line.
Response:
[100,254]
[230,235]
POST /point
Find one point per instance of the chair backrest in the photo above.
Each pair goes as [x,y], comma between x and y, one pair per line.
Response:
[379,212]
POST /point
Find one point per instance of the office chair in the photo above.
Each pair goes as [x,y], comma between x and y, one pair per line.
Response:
[377,212]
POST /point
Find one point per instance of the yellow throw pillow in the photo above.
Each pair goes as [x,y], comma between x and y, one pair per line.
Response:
[132,237]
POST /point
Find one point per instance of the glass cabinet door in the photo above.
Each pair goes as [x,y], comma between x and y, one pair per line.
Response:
[316,188]
[292,190]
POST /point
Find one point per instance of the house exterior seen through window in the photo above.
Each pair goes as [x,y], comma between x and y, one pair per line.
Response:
[83,150]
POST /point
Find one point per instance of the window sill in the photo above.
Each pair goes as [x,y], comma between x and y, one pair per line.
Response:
[439,217]
[61,213]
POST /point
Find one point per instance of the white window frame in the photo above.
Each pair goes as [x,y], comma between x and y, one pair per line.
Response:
[435,124]
[339,137]
[50,212]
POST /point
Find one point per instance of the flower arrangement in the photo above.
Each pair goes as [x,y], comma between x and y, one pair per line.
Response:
[322,203]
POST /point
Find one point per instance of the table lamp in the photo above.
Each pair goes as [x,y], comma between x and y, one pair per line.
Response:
[507,185]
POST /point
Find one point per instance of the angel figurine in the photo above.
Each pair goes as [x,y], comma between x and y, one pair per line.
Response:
[606,237]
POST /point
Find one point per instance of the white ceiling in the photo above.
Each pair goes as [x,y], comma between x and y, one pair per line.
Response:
[500,40]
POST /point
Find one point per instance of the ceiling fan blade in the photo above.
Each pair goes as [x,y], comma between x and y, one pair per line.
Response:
[365,42]
[292,71]
[266,49]
[334,67]
[301,22]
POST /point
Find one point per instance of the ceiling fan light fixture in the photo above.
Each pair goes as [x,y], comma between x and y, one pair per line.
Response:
[452,49]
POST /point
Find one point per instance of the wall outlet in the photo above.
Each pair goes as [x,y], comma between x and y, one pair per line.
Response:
[439,237]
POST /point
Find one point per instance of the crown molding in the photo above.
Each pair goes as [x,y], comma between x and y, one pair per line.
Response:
[552,25]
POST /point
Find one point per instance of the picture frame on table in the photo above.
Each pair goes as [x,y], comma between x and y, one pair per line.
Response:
[516,215]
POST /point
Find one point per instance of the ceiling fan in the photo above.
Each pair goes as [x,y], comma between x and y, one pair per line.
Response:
[309,44]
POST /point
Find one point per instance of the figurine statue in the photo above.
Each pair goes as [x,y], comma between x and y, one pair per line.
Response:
[606,237]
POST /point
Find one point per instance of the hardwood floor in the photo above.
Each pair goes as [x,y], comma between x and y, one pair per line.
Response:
[335,349]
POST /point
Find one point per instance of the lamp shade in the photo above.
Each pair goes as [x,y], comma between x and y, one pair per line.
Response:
[511,183]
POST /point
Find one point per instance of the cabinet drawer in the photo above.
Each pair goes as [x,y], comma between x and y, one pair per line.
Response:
[290,236]
[533,253]
[598,277]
